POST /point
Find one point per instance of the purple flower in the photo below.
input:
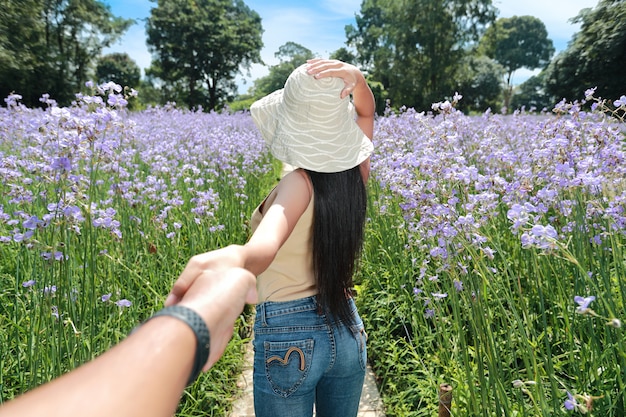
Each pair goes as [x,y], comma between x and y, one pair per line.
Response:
[57,256]
[73,213]
[19,237]
[429,313]
[544,231]
[31,223]
[570,404]
[110,86]
[589,93]
[583,303]
[488,252]
[439,295]
[62,164]
[116,100]
[458,285]
[106,297]
[12,99]
[620,102]
[542,237]
[123,303]
[29,283]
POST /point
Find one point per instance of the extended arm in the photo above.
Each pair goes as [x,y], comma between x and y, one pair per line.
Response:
[146,373]
[284,207]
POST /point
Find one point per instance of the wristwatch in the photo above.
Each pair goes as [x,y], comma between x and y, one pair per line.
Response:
[200,329]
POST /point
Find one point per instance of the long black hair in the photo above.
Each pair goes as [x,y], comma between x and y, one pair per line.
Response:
[340,203]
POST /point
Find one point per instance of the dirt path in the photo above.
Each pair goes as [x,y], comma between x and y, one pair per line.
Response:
[370,406]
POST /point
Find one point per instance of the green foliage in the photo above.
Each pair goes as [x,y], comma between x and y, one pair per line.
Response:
[509,343]
[596,56]
[343,54]
[480,84]
[62,320]
[532,94]
[200,45]
[119,68]
[517,42]
[291,56]
[242,103]
[51,47]
[414,48]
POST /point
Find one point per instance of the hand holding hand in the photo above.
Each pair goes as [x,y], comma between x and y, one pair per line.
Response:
[219,298]
[215,260]
[216,288]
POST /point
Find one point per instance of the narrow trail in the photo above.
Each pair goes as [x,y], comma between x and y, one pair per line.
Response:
[370,406]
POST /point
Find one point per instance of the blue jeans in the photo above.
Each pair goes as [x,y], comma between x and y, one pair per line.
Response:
[302,357]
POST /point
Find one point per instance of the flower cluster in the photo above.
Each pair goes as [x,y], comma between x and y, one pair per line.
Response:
[50,155]
[453,174]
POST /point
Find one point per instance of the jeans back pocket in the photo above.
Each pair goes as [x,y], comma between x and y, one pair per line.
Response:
[287,364]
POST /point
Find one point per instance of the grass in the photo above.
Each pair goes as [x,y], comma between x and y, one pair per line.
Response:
[102,209]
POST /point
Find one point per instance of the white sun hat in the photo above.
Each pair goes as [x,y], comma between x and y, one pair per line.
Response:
[308,125]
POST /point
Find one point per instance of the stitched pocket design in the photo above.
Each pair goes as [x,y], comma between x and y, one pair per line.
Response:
[287,364]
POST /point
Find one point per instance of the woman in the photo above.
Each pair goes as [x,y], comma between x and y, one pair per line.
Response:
[309,340]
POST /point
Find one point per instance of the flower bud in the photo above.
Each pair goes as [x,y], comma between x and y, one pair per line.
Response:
[614,323]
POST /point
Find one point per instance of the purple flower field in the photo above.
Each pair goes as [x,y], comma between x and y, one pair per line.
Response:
[488,232]
[493,261]
[100,210]
[453,174]
[157,159]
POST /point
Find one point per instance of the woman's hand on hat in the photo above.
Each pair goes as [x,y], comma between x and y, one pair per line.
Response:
[321,68]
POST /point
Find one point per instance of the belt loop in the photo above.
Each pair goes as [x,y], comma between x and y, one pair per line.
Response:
[261,313]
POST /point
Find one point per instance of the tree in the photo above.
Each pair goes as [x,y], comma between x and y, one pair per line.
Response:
[22,45]
[414,48]
[51,46]
[343,54]
[202,44]
[291,55]
[517,42]
[480,83]
[532,95]
[119,68]
[595,57]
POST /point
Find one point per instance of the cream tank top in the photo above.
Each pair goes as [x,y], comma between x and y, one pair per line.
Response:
[290,275]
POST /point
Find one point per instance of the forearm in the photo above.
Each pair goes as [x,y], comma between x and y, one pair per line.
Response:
[365,106]
[143,375]
[259,255]
[363,98]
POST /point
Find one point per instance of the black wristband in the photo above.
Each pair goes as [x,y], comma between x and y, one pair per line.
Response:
[200,329]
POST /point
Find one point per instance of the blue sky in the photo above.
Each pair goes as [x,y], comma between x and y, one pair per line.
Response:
[319,26]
